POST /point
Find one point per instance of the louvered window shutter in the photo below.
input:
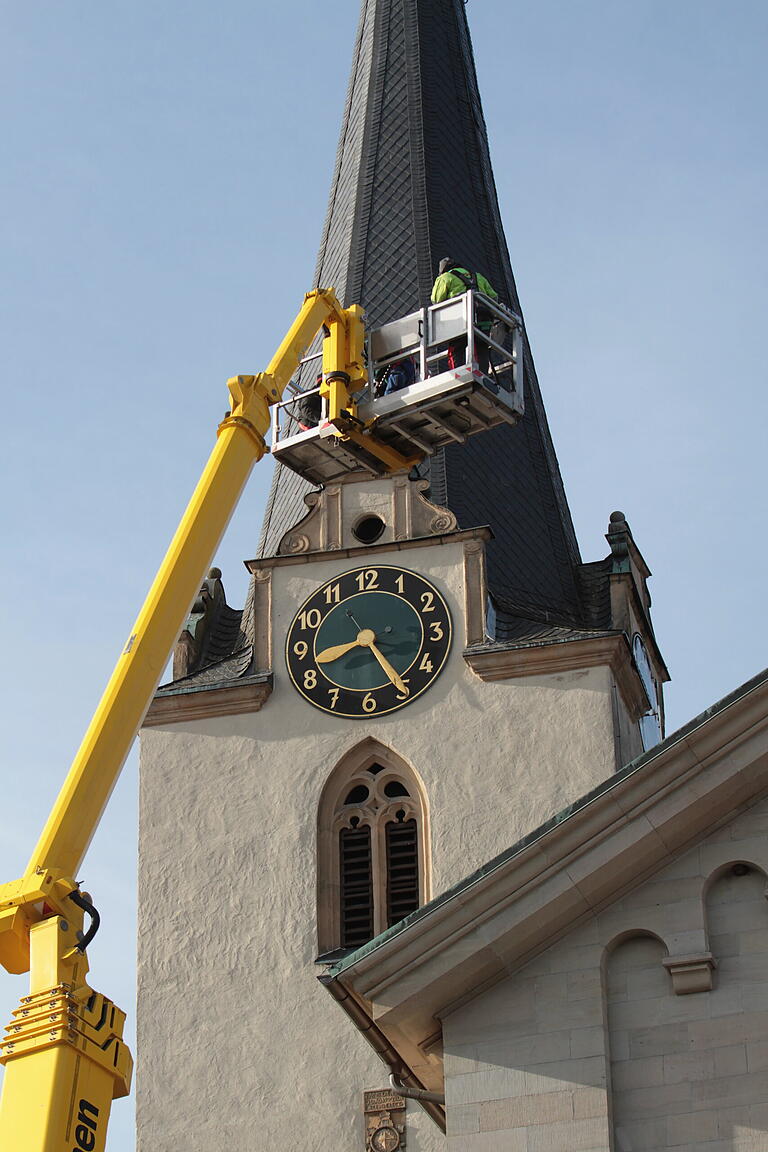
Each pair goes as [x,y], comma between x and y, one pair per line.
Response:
[402,869]
[356,887]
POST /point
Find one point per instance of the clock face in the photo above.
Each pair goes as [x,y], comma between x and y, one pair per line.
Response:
[368,641]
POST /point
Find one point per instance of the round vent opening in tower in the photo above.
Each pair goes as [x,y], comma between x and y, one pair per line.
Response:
[368,529]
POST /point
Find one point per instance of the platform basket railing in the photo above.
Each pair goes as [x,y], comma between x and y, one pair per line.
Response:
[427,335]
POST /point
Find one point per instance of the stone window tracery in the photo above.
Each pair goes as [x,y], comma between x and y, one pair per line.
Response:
[372,850]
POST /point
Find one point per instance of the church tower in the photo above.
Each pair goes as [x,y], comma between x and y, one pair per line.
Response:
[423,672]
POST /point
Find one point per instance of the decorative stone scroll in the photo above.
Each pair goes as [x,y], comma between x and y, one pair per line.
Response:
[414,515]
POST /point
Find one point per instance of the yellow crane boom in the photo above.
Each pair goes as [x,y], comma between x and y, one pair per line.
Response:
[63,1052]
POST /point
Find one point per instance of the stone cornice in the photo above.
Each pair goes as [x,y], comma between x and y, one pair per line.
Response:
[368,550]
[206,700]
[509,661]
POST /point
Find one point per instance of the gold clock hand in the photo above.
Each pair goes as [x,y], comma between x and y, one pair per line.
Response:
[364,639]
[329,654]
[393,676]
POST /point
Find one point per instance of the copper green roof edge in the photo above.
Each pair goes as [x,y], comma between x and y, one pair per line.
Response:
[566,813]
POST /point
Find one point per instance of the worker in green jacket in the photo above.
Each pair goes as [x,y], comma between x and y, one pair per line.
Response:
[452,280]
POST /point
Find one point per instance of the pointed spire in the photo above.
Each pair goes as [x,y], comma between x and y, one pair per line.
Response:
[413,183]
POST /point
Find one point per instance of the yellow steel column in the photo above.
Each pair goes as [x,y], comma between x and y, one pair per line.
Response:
[126,698]
[106,743]
[343,365]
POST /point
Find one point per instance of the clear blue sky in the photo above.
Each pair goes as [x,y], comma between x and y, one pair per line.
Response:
[164,179]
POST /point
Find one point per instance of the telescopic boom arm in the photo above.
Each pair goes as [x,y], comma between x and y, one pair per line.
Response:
[63,1054]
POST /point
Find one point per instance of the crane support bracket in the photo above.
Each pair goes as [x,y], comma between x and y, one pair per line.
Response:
[389,458]
[25,902]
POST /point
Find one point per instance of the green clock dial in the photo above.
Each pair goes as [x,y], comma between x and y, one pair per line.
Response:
[368,641]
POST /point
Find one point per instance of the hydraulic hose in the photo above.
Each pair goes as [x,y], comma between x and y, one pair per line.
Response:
[82,901]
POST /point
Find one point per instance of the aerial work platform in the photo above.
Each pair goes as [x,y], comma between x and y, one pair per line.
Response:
[466,360]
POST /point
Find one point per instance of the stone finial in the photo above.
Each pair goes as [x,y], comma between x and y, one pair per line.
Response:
[619,537]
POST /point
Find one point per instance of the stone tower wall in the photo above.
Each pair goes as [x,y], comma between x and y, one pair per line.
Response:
[238,1043]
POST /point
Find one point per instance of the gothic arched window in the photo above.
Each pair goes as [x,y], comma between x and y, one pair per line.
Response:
[372,838]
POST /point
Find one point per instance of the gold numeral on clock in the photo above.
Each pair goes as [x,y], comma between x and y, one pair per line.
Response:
[436,629]
[310,619]
[332,593]
[369,702]
[400,583]
[425,665]
[368,580]
[403,695]
[426,599]
[334,695]
[300,649]
[310,678]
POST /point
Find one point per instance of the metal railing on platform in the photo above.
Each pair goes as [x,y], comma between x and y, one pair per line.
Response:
[435,377]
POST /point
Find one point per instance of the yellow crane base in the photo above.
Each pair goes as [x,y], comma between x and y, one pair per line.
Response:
[64,1044]
[64,1056]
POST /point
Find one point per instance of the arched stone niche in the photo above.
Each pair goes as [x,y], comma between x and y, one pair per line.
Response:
[736,916]
[639,1003]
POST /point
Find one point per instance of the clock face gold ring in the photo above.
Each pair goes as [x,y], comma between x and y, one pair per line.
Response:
[368,641]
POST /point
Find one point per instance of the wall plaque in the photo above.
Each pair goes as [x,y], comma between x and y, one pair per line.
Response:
[384,1121]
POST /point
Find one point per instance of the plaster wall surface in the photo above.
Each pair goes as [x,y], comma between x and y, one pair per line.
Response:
[629,741]
[601,1043]
[238,1043]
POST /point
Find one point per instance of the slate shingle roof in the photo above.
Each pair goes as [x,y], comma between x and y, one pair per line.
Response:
[413,183]
[223,671]
[225,638]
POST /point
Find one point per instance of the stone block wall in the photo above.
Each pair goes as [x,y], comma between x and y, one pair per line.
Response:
[645,1028]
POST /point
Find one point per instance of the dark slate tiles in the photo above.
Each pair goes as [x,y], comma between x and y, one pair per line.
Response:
[595,589]
[222,672]
[222,638]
